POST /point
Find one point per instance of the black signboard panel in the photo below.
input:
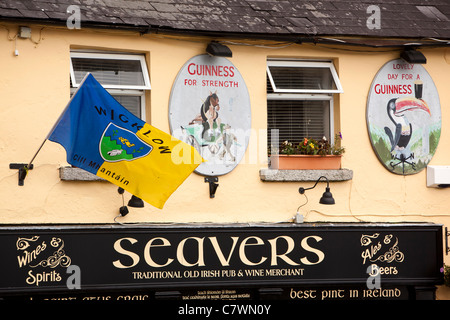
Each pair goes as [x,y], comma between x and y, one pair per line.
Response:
[55,259]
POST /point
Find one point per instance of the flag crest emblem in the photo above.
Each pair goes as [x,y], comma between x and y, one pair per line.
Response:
[117,144]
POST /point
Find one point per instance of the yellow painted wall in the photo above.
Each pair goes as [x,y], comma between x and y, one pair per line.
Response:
[34,88]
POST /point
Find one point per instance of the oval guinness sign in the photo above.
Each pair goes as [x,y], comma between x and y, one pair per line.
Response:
[209,108]
[403,117]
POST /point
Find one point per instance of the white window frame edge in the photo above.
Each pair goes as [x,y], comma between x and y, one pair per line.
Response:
[304,64]
[112,56]
[291,96]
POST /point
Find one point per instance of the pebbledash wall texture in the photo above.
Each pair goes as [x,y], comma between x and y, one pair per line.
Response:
[367,72]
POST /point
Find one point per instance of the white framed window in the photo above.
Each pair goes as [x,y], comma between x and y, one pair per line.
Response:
[124,76]
[300,99]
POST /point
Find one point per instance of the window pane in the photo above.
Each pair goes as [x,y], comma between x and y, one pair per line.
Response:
[109,71]
[297,119]
[302,78]
[131,103]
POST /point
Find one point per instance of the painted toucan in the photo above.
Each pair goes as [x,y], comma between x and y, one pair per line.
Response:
[396,109]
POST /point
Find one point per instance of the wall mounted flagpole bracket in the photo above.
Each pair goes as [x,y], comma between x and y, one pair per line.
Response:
[23,170]
[24,167]
[212,185]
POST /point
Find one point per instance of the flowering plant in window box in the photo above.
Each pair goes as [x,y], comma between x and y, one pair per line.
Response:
[309,154]
[446,271]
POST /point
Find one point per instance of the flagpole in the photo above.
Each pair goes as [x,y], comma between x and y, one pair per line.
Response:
[32,159]
[23,171]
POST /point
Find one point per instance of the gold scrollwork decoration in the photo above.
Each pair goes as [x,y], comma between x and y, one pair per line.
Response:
[59,258]
[393,254]
[367,239]
[23,243]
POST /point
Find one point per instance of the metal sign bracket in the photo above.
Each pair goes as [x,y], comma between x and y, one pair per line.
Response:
[212,185]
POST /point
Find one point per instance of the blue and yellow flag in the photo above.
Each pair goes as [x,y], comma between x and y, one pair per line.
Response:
[104,138]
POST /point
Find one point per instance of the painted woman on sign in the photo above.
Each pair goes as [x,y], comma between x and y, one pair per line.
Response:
[208,114]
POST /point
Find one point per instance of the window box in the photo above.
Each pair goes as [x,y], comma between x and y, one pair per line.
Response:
[306,162]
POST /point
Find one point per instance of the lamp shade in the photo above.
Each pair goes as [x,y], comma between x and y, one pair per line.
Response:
[327,197]
[136,202]
[218,50]
[413,56]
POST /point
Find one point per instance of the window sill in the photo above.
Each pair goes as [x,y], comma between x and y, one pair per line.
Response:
[270,175]
[77,174]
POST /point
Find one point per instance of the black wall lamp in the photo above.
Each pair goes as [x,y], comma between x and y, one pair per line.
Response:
[218,50]
[327,197]
[134,202]
[413,56]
